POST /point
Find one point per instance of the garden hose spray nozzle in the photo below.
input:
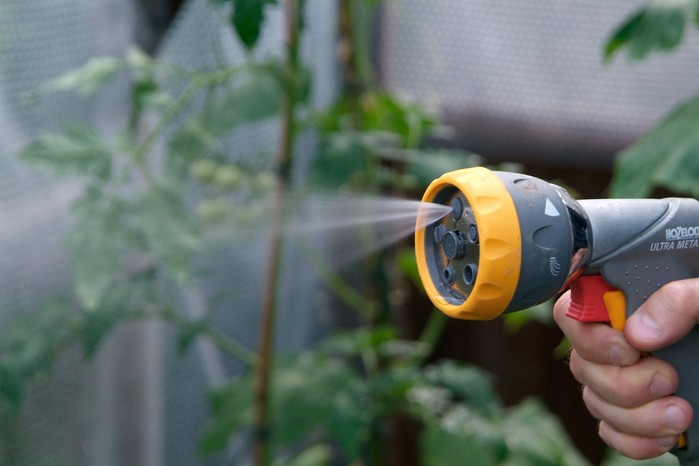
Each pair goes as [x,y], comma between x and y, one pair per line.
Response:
[513,241]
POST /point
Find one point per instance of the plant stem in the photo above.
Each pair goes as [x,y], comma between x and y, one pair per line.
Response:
[351,87]
[224,342]
[198,83]
[263,369]
[433,331]
[337,284]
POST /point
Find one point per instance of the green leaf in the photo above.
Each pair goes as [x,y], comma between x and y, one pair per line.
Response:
[353,342]
[192,142]
[333,403]
[403,350]
[169,235]
[389,389]
[379,112]
[29,346]
[540,313]
[255,96]
[86,80]
[465,382]
[78,150]
[536,437]
[248,18]
[349,415]
[341,157]
[666,156]
[230,407]
[97,245]
[315,455]
[138,60]
[443,448]
[98,323]
[657,26]
[385,112]
[428,165]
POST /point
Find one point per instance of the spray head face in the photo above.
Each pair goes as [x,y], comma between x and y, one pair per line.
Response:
[510,242]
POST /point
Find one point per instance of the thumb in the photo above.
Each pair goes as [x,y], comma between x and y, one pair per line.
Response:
[668,315]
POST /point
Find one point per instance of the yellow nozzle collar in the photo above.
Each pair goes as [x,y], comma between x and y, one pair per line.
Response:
[500,244]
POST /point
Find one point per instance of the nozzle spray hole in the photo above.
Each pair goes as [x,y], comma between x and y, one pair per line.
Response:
[449,275]
[472,233]
[470,272]
[457,208]
[439,232]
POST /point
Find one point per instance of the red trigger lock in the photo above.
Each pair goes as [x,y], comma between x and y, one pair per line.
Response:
[587,299]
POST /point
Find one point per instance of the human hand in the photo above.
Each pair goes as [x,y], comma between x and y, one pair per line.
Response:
[632,395]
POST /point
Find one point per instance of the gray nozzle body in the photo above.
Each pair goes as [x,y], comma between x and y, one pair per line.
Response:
[555,235]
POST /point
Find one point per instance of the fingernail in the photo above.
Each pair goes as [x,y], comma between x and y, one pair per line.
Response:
[666,442]
[673,417]
[661,386]
[646,328]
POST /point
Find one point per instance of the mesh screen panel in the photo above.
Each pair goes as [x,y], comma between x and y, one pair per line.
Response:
[537,63]
[137,402]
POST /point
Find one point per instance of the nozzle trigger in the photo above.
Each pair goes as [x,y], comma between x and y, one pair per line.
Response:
[593,300]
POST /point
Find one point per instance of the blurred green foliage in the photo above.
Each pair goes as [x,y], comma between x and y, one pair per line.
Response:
[332,394]
[667,156]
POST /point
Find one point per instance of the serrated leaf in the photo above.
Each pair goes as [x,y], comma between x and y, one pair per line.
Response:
[315,455]
[666,156]
[138,60]
[443,448]
[248,18]
[96,246]
[191,142]
[78,150]
[169,236]
[299,410]
[230,409]
[466,382]
[428,165]
[540,313]
[29,346]
[655,27]
[340,158]
[86,80]
[385,112]
[535,436]
[256,96]
[98,323]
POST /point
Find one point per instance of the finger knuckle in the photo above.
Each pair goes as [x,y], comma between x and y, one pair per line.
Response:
[576,365]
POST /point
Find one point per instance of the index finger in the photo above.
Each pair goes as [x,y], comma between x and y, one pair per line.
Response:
[596,342]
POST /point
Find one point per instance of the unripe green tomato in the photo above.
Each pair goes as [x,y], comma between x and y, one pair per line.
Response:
[203,170]
[264,181]
[228,177]
[212,210]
